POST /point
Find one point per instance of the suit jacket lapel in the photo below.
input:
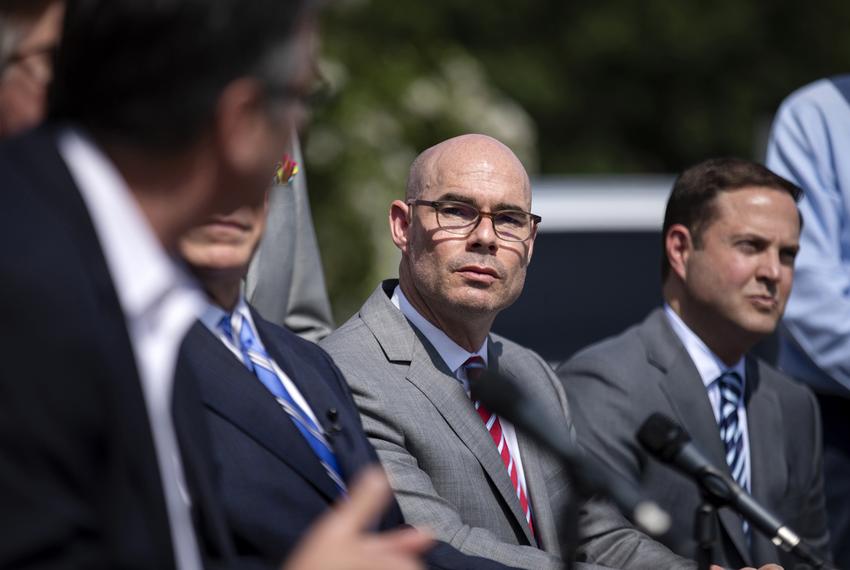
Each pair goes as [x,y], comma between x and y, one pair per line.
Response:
[199,466]
[432,377]
[322,400]
[768,476]
[238,396]
[687,395]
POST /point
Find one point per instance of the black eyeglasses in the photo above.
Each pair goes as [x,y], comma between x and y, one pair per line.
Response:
[461,219]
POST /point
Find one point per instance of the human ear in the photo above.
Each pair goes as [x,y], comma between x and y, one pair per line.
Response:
[399,218]
[678,245]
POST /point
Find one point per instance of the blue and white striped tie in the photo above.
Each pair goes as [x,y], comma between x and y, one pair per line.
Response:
[257,360]
[731,432]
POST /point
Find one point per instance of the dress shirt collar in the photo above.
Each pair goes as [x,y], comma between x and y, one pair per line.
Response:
[708,364]
[212,316]
[142,272]
[213,313]
[452,353]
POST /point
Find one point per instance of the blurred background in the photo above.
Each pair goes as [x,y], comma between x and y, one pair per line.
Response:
[600,99]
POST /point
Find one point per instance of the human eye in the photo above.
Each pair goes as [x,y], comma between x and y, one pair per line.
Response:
[788,255]
[749,245]
[458,211]
[510,219]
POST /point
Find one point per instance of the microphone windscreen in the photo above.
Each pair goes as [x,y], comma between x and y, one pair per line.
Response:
[662,436]
[497,393]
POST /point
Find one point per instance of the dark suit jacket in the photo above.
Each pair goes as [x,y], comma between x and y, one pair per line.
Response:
[79,483]
[271,481]
[615,385]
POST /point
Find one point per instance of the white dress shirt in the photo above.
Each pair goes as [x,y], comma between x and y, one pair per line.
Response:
[159,301]
[211,319]
[710,367]
[454,356]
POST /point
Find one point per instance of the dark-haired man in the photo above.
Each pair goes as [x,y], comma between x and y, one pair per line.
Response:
[159,114]
[730,235]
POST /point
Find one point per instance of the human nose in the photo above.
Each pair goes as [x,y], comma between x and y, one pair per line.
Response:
[484,232]
[770,266]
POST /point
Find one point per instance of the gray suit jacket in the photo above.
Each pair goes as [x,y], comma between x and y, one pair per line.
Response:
[442,463]
[285,283]
[615,385]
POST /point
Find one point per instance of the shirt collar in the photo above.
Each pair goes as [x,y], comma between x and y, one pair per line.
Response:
[708,364]
[143,273]
[213,314]
[452,353]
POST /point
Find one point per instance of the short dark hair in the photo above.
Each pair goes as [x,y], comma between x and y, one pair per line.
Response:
[691,202]
[151,71]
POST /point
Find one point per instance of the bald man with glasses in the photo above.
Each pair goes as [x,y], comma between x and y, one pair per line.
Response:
[466,236]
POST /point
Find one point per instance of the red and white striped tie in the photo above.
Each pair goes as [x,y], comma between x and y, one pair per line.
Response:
[474,367]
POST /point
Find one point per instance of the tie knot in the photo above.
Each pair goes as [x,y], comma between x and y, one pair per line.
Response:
[238,330]
[225,326]
[474,367]
[731,387]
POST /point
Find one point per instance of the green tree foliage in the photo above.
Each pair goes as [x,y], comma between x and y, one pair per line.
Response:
[609,86]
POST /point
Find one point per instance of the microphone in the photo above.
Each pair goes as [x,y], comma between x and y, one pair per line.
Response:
[506,399]
[670,443]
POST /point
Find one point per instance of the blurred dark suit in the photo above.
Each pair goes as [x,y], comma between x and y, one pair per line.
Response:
[79,483]
[271,482]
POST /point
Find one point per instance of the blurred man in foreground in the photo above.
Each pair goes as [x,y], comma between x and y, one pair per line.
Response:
[91,476]
[466,236]
[159,114]
[731,233]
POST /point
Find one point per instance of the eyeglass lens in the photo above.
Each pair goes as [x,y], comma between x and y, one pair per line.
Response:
[461,218]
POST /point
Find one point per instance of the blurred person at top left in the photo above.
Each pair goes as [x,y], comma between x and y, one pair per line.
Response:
[159,113]
[29,31]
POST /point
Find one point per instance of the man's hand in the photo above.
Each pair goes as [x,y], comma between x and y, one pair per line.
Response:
[340,541]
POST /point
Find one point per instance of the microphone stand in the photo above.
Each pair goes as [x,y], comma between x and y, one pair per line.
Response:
[588,477]
[705,532]
[670,443]
[569,522]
